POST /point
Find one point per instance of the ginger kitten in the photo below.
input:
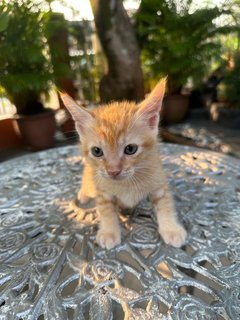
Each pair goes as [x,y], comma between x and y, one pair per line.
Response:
[123,165]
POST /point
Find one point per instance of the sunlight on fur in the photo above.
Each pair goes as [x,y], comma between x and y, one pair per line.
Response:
[123,165]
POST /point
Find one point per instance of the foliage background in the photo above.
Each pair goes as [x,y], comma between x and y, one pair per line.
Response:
[176,38]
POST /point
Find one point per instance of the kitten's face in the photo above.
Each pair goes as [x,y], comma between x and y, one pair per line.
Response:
[117,144]
[117,139]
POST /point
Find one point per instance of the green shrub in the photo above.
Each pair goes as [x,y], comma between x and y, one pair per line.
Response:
[177,42]
[25,68]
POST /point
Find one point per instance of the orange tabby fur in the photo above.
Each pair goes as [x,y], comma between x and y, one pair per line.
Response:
[112,127]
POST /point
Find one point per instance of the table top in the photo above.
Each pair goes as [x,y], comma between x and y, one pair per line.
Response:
[52,268]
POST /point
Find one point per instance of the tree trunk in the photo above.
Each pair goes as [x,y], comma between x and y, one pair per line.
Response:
[124,79]
[59,50]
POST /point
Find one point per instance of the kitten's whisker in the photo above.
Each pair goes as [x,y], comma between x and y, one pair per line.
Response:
[150,170]
[145,171]
[136,184]
[145,168]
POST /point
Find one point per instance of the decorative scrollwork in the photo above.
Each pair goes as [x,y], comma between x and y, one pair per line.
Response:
[11,219]
[10,240]
[234,247]
[146,234]
[107,270]
[45,253]
[189,308]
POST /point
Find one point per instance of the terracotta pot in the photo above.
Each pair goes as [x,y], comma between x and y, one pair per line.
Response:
[174,108]
[68,128]
[9,134]
[38,130]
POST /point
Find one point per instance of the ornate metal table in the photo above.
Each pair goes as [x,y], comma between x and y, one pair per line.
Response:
[51,267]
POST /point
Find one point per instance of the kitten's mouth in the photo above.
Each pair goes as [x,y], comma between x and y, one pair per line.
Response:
[117,177]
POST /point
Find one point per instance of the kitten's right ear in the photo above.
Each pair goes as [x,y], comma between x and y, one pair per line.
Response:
[82,117]
[149,108]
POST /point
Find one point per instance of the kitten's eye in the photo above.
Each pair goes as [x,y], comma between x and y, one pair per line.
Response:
[96,152]
[131,149]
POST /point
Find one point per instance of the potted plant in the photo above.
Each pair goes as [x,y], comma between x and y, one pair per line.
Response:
[8,133]
[178,43]
[226,111]
[25,70]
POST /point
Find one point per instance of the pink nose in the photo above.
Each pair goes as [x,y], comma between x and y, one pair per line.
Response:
[114,173]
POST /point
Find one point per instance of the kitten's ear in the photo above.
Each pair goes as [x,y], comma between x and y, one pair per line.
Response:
[149,108]
[83,118]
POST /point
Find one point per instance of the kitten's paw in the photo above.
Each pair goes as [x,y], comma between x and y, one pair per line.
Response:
[82,197]
[108,239]
[174,235]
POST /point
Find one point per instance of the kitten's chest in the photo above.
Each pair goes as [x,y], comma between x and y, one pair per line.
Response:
[129,199]
[129,196]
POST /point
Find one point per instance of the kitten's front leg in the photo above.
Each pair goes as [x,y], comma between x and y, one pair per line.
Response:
[169,227]
[88,189]
[109,233]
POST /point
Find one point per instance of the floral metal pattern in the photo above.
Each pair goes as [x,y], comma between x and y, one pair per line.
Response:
[52,268]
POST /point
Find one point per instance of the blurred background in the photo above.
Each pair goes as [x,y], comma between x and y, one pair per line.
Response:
[103,50]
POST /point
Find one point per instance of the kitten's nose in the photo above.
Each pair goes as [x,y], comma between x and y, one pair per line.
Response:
[114,173]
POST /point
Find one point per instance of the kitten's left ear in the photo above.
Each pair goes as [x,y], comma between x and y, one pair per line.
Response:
[82,117]
[149,108]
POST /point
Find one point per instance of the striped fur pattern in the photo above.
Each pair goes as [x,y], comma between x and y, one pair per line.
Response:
[117,179]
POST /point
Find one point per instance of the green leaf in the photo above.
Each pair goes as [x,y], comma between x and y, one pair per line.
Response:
[4,20]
